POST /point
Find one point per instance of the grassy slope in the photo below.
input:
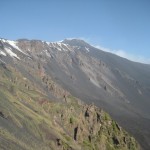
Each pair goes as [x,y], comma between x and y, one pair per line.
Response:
[29,120]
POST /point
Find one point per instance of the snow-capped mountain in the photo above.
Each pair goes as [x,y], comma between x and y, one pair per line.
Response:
[119,86]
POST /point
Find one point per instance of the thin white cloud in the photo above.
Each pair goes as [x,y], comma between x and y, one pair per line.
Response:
[121,53]
[124,54]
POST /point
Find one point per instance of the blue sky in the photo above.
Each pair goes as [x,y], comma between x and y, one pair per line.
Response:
[119,26]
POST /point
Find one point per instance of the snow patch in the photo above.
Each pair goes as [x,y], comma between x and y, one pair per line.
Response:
[2,53]
[47,53]
[56,45]
[66,47]
[3,40]
[14,45]
[10,53]
[47,43]
[60,46]
[94,82]
[87,49]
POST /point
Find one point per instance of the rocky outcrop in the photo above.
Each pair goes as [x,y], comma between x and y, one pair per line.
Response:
[92,128]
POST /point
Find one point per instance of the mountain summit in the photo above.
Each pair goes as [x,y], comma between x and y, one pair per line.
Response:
[76,42]
[42,83]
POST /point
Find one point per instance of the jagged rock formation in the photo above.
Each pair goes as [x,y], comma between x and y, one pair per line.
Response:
[56,70]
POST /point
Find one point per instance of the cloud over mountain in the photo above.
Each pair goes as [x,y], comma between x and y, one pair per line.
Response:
[124,54]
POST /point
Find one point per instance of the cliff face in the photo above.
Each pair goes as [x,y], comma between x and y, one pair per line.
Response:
[30,119]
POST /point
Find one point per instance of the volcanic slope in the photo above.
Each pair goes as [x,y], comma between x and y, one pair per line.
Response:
[119,86]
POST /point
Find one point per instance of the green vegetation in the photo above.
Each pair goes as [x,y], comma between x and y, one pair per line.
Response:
[71,120]
[31,121]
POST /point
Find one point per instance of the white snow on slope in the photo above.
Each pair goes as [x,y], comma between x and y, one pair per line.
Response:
[87,49]
[56,45]
[47,53]
[10,53]
[47,43]
[2,53]
[13,44]
[3,40]
[66,47]
[60,46]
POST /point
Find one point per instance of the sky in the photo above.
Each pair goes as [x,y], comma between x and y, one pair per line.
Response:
[118,26]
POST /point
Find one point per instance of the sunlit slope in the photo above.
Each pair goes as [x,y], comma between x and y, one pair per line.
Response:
[30,120]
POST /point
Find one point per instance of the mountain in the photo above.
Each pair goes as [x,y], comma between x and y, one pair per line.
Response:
[43,84]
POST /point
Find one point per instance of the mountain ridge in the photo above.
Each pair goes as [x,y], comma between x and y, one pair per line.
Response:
[31,119]
[76,40]
[119,86]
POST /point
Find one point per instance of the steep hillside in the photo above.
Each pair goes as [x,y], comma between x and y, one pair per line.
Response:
[73,67]
[29,119]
